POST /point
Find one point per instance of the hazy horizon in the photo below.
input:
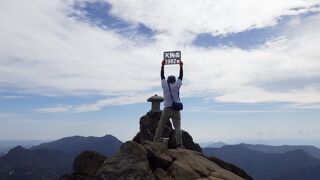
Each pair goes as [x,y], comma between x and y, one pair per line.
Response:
[203,143]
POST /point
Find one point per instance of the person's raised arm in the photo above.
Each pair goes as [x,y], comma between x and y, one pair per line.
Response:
[162,70]
[181,71]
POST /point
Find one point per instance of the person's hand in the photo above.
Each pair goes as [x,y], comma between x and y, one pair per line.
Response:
[163,63]
[181,63]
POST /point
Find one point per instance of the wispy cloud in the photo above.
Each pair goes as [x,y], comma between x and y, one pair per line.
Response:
[12,97]
[304,106]
[122,100]
[55,109]
[95,106]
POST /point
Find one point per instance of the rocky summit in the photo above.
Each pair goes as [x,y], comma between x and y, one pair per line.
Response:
[148,126]
[143,159]
[151,161]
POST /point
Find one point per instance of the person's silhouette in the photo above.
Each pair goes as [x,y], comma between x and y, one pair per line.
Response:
[168,112]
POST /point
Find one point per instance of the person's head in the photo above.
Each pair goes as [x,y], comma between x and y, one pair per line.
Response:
[171,79]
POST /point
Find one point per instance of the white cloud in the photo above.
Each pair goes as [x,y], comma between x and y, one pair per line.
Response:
[45,51]
[96,106]
[122,100]
[305,106]
[216,17]
[55,109]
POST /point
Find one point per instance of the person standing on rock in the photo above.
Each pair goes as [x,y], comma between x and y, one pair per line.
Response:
[173,85]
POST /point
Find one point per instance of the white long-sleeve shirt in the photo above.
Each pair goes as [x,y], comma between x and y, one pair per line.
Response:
[174,90]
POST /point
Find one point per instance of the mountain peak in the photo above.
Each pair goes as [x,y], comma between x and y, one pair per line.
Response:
[106,145]
[18,149]
[217,144]
[109,136]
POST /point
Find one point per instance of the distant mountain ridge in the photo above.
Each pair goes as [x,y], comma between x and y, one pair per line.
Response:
[302,174]
[312,150]
[21,163]
[6,145]
[106,145]
[217,144]
[50,160]
[268,166]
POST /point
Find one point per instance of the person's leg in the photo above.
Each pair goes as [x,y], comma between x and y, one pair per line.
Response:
[165,116]
[176,121]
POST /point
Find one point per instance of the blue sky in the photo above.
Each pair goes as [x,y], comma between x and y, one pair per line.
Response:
[87,67]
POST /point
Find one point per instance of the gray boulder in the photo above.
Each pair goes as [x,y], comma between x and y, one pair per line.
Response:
[131,162]
[85,166]
[87,163]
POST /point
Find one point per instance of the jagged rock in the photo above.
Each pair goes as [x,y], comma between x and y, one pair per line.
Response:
[162,174]
[85,166]
[194,160]
[152,161]
[157,156]
[87,163]
[186,139]
[131,162]
[179,170]
[148,127]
